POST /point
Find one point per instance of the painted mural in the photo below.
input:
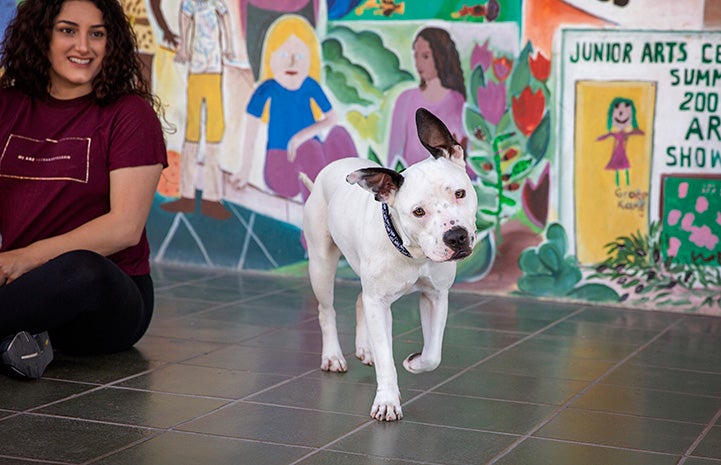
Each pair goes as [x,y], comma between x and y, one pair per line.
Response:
[583,191]
[592,129]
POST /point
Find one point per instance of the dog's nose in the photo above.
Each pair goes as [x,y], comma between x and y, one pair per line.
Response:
[456,238]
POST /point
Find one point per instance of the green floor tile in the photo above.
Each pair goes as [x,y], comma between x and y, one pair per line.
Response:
[517,387]
[623,431]
[649,403]
[204,381]
[64,440]
[22,395]
[280,425]
[194,449]
[544,452]
[406,440]
[130,407]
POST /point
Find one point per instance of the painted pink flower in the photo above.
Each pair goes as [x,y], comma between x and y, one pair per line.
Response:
[502,68]
[482,56]
[528,109]
[492,101]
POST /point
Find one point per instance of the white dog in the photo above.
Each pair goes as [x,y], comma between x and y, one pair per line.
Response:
[400,233]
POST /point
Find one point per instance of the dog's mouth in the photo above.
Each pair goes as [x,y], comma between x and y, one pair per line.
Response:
[461,254]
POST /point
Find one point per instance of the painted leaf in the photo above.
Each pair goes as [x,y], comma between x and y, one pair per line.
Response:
[477,81]
[522,72]
[567,279]
[549,256]
[594,292]
[520,168]
[507,201]
[537,285]
[556,235]
[476,126]
[538,142]
[529,263]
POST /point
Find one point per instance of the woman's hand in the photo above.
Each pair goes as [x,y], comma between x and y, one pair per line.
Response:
[15,263]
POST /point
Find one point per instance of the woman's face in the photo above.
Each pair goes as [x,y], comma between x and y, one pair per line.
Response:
[621,116]
[423,56]
[77,49]
[290,63]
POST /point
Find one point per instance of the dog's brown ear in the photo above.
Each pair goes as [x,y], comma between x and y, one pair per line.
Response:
[436,137]
[383,183]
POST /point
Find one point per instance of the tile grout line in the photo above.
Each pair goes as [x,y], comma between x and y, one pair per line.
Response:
[583,391]
[709,426]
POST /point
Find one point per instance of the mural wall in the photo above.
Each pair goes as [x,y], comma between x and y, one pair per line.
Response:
[592,128]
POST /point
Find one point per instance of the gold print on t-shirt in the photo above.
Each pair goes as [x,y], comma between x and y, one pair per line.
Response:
[65,159]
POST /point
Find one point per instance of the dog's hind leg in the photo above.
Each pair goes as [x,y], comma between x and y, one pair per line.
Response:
[322,270]
[323,257]
[362,344]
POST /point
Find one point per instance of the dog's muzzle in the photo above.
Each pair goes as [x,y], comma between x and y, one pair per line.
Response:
[459,241]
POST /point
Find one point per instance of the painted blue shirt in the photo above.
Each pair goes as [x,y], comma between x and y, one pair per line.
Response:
[290,110]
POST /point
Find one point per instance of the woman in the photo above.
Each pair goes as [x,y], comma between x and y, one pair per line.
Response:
[297,109]
[441,90]
[82,152]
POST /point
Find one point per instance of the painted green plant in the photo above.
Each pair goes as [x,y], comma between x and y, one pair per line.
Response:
[509,126]
[635,263]
[358,67]
[548,270]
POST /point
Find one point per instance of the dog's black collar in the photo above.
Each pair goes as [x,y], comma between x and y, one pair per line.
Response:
[392,233]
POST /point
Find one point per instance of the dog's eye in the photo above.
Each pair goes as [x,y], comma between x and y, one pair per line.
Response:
[461,193]
[418,212]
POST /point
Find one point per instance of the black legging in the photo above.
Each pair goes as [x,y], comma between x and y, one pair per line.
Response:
[86,302]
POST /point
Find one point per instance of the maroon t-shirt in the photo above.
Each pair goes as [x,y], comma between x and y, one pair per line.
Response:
[55,163]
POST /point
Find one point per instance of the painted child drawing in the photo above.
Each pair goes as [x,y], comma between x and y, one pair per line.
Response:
[298,111]
[621,125]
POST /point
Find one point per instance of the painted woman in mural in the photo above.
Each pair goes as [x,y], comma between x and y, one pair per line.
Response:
[442,90]
[621,124]
[296,109]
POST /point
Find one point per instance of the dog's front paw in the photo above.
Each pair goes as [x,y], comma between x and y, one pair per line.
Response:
[364,355]
[416,363]
[334,363]
[387,406]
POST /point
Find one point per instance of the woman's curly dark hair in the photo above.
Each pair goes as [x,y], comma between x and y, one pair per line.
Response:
[445,57]
[24,55]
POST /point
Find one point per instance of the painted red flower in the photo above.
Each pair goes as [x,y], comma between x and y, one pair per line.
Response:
[502,68]
[540,66]
[528,109]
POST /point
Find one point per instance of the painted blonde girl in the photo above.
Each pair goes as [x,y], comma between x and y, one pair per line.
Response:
[296,109]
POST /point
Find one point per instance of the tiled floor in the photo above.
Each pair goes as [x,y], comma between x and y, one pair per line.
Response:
[229,374]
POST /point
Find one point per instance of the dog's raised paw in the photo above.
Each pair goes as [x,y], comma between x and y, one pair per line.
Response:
[416,363]
[335,364]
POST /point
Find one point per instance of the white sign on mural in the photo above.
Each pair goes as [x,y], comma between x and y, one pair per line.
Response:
[644,105]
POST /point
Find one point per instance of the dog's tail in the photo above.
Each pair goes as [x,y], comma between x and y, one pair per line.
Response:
[306,181]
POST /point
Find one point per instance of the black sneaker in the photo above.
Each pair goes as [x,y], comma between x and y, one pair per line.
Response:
[26,356]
